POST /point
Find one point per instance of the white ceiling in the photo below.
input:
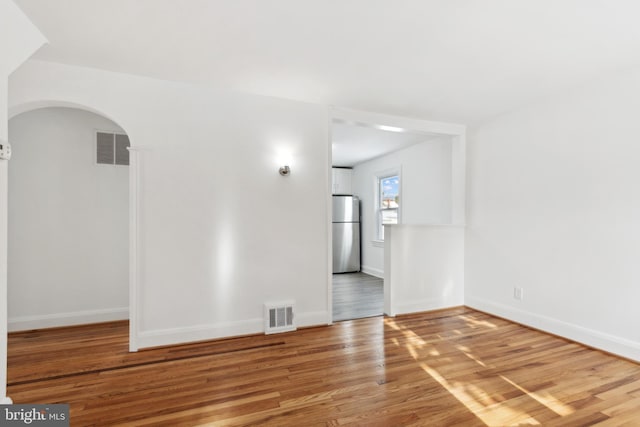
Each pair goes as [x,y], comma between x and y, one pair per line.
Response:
[463,61]
[356,143]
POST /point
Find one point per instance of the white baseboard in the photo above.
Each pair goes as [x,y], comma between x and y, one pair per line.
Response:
[160,337]
[172,336]
[596,339]
[25,323]
[425,305]
[373,271]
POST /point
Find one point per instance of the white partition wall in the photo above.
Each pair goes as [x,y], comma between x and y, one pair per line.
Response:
[424,268]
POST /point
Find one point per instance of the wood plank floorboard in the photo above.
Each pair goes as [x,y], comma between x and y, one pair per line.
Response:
[357,295]
[443,368]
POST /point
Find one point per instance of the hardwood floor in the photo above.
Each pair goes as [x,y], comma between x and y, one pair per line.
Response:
[451,367]
[357,295]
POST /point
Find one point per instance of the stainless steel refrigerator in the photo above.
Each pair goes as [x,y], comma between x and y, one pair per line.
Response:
[346,234]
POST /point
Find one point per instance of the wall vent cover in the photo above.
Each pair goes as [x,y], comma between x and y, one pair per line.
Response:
[279,317]
[112,148]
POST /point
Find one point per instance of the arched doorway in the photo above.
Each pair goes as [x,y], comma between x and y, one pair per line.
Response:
[69,219]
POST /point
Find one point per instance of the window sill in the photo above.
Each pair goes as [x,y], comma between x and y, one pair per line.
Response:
[377,243]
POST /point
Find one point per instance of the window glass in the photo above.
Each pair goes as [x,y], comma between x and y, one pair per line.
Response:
[388,202]
[389,192]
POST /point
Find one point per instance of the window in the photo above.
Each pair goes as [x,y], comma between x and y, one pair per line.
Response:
[388,202]
[111,148]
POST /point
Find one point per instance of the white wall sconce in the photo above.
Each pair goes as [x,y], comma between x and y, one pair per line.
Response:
[283,161]
[285,170]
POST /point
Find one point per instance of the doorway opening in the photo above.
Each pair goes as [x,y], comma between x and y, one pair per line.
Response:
[69,220]
[365,198]
[404,172]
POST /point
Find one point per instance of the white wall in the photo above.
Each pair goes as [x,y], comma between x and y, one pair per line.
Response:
[426,192]
[424,268]
[20,38]
[220,231]
[68,222]
[554,208]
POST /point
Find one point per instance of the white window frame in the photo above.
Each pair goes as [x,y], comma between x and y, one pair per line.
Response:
[379,176]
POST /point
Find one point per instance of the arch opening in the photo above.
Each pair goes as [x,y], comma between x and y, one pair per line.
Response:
[70,228]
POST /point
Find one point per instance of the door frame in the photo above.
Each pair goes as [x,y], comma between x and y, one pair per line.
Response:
[457,132]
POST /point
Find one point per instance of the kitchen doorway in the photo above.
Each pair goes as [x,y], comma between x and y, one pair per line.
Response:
[428,160]
[357,150]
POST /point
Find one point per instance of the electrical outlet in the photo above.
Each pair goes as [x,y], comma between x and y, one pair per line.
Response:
[517,293]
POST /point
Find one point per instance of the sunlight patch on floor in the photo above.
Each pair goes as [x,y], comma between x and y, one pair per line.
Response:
[475,359]
[491,409]
[544,398]
[392,323]
[482,404]
[473,322]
